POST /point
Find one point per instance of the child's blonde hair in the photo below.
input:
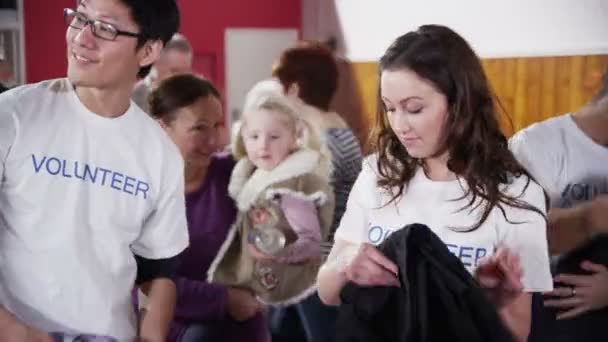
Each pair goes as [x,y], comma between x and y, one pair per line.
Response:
[307,136]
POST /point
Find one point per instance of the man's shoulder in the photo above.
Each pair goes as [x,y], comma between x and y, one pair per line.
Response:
[155,138]
[543,130]
[43,88]
[30,102]
[541,138]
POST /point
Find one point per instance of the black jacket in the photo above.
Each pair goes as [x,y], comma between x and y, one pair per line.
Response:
[438,299]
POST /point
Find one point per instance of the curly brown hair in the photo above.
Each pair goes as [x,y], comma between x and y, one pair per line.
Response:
[478,150]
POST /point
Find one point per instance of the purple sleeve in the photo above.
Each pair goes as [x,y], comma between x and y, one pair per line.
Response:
[200,301]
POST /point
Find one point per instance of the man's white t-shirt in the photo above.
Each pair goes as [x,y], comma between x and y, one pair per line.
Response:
[79,195]
[368,218]
[570,166]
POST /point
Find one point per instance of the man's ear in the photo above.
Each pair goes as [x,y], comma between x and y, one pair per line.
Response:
[150,53]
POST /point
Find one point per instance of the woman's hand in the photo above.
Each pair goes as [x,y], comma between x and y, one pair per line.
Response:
[12,330]
[500,275]
[371,268]
[241,304]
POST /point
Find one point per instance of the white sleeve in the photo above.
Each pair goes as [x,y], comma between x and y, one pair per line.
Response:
[524,232]
[8,129]
[355,220]
[165,230]
[535,149]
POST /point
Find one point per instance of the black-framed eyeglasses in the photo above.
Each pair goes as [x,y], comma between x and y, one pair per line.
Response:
[99,28]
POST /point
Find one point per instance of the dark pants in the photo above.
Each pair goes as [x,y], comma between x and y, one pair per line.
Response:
[309,320]
[588,327]
[200,333]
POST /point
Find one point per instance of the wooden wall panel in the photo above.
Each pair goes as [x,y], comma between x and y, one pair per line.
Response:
[529,89]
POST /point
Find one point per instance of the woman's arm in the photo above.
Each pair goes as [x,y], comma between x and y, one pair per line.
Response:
[332,275]
[199,300]
[361,264]
[156,318]
[517,316]
[12,330]
[568,227]
[500,276]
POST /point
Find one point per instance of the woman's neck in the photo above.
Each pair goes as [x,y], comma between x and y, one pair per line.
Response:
[195,176]
[436,168]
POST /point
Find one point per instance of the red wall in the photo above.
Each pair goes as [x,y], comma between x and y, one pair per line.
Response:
[45,54]
[203,22]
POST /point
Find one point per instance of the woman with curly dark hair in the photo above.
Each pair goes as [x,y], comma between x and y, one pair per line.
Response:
[441,160]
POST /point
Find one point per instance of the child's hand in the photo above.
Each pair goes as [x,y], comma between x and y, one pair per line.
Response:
[257,255]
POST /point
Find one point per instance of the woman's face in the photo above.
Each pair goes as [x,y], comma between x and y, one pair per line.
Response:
[417,112]
[195,130]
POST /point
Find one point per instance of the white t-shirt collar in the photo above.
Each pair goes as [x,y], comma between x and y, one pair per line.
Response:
[95,118]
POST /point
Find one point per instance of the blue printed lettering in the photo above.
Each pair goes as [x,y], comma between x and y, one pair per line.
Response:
[580,192]
[144,188]
[105,172]
[565,201]
[116,180]
[87,173]
[48,166]
[468,255]
[129,185]
[39,165]
[464,256]
[63,171]
[480,253]
[92,176]
[377,234]
[374,234]
[76,171]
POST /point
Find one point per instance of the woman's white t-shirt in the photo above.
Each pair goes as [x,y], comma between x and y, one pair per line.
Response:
[368,218]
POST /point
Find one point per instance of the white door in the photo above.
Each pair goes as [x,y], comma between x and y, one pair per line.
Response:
[250,54]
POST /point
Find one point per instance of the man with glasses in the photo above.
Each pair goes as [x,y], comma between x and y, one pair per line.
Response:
[91,189]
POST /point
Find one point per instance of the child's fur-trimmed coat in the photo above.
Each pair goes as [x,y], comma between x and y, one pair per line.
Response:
[303,175]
